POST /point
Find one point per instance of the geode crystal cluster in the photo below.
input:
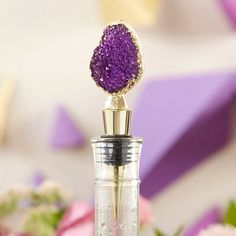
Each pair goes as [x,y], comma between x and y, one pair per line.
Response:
[116,61]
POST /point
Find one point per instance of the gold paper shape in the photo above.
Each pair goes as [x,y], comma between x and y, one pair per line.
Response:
[6,92]
[135,12]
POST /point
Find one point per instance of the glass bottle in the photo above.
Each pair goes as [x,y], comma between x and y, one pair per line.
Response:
[116,162]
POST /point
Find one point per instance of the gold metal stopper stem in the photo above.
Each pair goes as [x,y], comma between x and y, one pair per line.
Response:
[116,118]
[117,191]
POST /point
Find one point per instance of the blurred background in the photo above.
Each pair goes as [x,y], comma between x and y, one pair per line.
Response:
[45,48]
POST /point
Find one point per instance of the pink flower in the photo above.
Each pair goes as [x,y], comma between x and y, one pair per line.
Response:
[78,220]
[145,211]
[4,231]
[218,230]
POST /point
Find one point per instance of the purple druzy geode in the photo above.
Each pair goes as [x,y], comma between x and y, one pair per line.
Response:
[115,62]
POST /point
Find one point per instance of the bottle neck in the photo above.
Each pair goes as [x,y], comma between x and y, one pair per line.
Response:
[117,185]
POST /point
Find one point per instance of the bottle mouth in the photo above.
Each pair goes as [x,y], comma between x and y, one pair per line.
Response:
[117,150]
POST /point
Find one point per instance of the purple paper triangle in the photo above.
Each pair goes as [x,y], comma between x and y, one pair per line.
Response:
[66,133]
[182,121]
[229,7]
[213,216]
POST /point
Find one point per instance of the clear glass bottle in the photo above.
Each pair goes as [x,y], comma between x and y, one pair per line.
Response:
[116,162]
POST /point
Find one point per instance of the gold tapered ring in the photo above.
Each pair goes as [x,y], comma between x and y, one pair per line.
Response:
[117,122]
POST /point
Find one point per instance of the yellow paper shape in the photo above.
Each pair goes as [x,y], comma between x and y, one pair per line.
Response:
[134,12]
[6,92]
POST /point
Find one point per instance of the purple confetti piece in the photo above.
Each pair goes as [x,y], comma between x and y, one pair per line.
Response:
[66,133]
[229,7]
[38,179]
